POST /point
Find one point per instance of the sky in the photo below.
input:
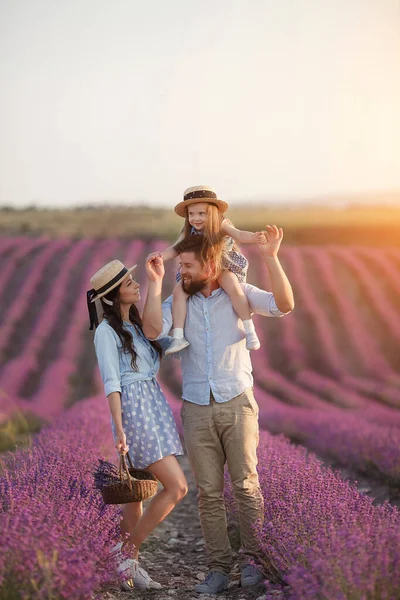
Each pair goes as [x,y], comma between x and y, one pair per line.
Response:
[132,102]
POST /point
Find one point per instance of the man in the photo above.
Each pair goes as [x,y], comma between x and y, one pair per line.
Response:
[219,412]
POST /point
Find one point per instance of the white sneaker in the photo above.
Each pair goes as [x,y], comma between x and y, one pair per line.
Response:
[142,580]
[176,345]
[136,577]
[252,341]
[125,567]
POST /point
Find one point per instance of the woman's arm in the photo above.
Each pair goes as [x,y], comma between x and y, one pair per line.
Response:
[241,237]
[114,402]
[106,347]
[152,322]
[108,359]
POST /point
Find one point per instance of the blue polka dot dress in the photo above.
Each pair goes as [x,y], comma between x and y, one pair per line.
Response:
[232,260]
[148,423]
[147,418]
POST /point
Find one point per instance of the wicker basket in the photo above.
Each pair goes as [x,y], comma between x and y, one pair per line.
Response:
[134,485]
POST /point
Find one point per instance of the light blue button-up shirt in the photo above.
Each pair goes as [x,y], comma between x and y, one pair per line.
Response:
[217,359]
[115,365]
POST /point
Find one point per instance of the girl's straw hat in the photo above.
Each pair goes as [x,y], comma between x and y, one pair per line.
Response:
[199,193]
[103,281]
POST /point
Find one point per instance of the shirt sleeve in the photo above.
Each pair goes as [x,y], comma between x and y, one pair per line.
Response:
[108,358]
[261,302]
[167,317]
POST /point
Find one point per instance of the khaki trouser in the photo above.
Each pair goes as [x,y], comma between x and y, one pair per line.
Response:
[215,434]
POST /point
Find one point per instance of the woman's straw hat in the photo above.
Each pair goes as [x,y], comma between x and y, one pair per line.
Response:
[196,194]
[108,277]
[103,281]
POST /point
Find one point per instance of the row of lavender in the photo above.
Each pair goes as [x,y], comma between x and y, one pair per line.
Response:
[320,536]
[56,532]
[346,324]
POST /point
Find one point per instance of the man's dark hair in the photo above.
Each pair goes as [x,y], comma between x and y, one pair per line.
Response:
[201,247]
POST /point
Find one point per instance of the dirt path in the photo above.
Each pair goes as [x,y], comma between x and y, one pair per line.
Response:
[174,555]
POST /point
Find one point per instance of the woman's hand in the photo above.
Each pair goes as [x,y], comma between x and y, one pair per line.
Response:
[269,241]
[120,442]
[155,267]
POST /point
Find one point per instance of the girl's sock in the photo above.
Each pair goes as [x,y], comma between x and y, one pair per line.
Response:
[177,333]
[252,341]
[248,326]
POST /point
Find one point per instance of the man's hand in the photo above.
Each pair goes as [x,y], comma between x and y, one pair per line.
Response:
[269,240]
[155,268]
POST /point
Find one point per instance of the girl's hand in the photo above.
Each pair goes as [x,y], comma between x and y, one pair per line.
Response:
[152,255]
[269,240]
[155,267]
[120,443]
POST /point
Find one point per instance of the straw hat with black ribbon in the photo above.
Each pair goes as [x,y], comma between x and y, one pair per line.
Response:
[103,281]
[196,194]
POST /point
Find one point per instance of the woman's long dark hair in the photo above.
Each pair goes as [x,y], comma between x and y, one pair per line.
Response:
[114,318]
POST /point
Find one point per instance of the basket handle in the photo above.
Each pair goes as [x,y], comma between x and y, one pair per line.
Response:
[123,467]
[129,460]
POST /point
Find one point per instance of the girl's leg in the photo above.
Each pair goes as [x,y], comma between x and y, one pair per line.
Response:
[169,473]
[179,300]
[230,284]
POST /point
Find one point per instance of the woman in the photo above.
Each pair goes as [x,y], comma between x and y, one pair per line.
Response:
[142,421]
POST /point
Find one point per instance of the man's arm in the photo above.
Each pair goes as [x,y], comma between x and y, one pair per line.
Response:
[269,242]
[280,300]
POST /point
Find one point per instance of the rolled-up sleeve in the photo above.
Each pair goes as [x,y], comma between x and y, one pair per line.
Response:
[108,359]
[261,302]
[167,317]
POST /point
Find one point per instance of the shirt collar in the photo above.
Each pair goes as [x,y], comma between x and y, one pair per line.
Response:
[195,231]
[216,292]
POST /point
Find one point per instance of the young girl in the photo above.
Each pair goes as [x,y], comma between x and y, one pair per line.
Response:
[141,418]
[203,214]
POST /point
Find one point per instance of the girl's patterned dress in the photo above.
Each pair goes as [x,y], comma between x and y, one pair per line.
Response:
[232,260]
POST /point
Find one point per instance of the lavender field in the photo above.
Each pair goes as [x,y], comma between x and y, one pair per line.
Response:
[327,377]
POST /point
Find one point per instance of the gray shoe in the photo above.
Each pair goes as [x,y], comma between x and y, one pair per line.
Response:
[214,583]
[176,346]
[250,576]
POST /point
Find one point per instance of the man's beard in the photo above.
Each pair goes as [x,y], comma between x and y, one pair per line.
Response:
[192,286]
